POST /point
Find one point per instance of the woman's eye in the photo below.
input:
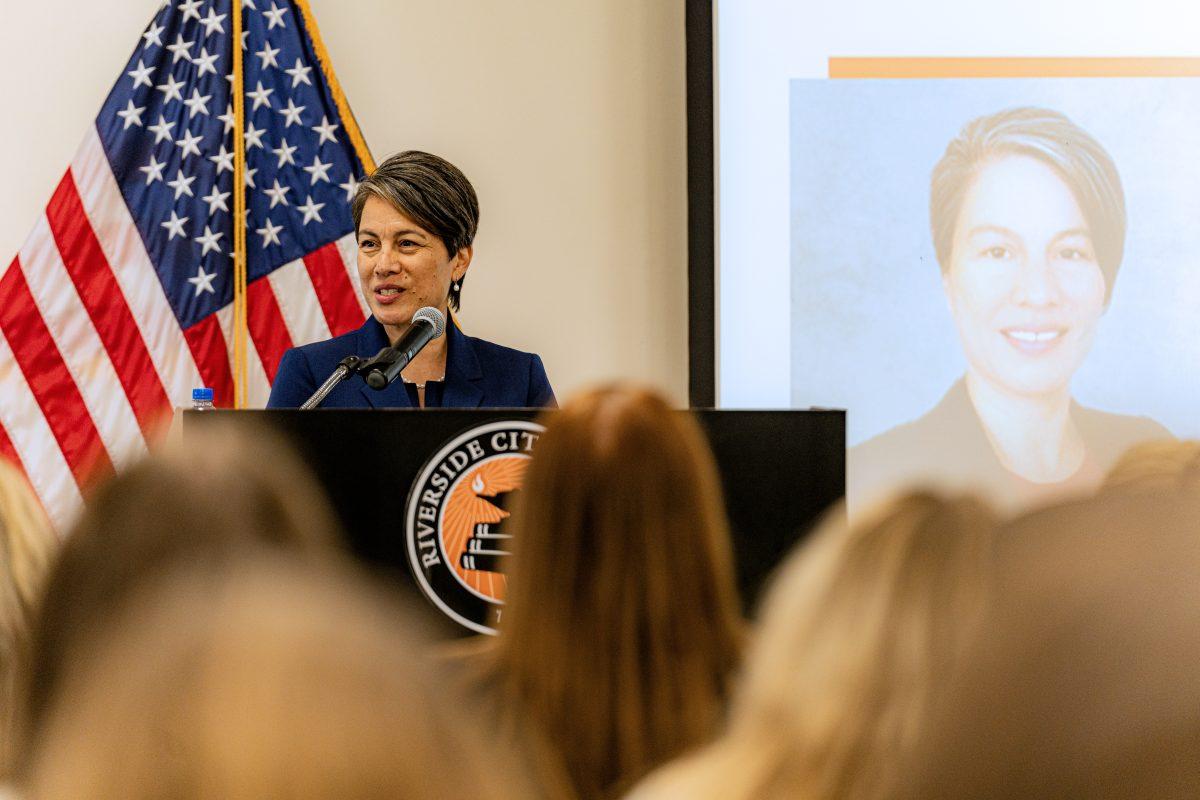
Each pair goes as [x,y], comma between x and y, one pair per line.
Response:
[1073,254]
[407,243]
[997,252]
[366,244]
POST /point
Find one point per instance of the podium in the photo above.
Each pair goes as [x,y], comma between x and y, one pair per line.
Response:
[422,493]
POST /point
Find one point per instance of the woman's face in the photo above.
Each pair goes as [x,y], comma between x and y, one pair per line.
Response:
[1024,286]
[402,267]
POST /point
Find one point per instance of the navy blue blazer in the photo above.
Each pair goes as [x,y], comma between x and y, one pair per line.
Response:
[479,374]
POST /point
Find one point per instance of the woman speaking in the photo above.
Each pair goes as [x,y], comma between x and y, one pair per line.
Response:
[415,219]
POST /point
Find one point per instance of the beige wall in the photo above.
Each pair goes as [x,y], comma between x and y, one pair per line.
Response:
[567,115]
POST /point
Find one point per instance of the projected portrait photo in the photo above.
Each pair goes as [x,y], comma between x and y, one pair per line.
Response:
[1026,233]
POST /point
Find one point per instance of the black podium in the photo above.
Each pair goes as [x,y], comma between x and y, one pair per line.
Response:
[421,492]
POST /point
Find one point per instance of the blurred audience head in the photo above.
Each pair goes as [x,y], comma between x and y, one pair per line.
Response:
[621,625]
[1159,465]
[196,501]
[859,630]
[272,679]
[27,547]
[1085,685]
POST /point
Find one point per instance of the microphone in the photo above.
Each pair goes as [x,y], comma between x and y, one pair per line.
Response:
[427,325]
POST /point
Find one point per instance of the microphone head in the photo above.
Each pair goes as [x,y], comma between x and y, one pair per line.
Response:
[431,316]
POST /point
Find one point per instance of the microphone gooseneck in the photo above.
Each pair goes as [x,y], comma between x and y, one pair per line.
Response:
[427,325]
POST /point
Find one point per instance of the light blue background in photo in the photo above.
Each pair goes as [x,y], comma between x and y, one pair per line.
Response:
[871,331]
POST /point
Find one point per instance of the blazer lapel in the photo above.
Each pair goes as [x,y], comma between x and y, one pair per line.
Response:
[463,374]
[371,339]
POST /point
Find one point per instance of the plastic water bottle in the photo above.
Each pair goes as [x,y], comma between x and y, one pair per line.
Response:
[202,399]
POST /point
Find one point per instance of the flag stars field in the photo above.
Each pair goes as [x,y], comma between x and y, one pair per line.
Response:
[318,171]
[325,130]
[203,281]
[267,54]
[275,16]
[174,225]
[299,74]
[291,114]
[171,89]
[131,115]
[270,233]
[284,152]
[216,200]
[161,129]
[153,187]
[253,136]
[190,9]
[212,23]
[261,96]
[141,74]
[276,193]
[205,62]
[180,49]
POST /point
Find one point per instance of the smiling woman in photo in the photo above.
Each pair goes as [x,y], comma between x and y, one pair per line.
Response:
[1028,221]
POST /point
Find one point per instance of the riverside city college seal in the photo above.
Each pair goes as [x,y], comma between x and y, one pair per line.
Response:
[454,519]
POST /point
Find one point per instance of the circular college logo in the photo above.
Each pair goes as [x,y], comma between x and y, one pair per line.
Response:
[455,516]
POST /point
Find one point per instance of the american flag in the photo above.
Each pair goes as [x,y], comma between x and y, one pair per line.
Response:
[121,300]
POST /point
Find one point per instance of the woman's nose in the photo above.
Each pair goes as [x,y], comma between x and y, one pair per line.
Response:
[387,262]
[1037,284]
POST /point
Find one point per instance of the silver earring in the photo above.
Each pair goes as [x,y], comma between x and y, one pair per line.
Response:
[456,286]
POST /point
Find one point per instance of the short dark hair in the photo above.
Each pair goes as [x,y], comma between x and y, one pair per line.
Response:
[432,192]
[1050,137]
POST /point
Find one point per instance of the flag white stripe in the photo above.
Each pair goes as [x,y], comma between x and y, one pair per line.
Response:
[82,350]
[258,388]
[348,247]
[127,258]
[298,303]
[44,462]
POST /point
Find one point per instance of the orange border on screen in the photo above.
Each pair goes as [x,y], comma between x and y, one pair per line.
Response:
[922,67]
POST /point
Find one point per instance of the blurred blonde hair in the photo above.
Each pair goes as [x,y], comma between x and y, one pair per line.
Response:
[195,501]
[621,626]
[859,629]
[273,680]
[27,546]
[1157,465]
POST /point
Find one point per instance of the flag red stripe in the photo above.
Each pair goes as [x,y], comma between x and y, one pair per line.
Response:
[266,325]
[49,379]
[8,452]
[208,348]
[105,303]
[334,292]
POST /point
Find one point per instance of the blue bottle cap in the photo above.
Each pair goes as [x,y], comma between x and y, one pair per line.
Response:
[202,394]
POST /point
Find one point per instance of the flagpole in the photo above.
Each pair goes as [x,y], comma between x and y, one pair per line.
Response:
[239,211]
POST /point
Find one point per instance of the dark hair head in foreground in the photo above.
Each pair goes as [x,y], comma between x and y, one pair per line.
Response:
[621,625]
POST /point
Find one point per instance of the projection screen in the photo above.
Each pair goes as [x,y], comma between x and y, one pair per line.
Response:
[974,226]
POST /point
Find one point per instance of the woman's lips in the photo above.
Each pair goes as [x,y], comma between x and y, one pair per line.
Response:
[1034,341]
[386,295]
